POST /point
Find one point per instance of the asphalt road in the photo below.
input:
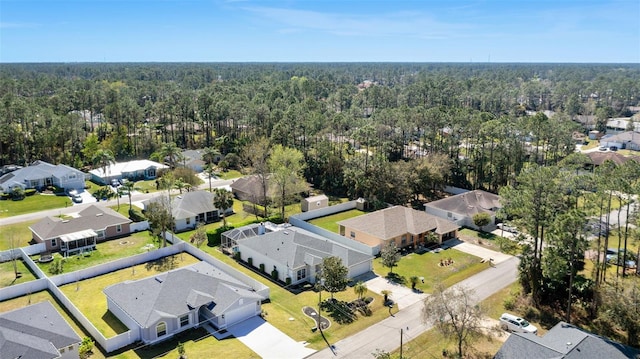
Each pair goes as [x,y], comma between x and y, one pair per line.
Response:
[124,200]
[385,335]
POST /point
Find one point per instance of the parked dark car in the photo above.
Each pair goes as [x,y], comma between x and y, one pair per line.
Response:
[613,148]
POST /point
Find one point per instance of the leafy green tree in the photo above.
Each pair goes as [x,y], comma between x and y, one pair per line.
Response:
[222,200]
[334,275]
[481,219]
[86,347]
[103,159]
[390,255]
[160,220]
[286,165]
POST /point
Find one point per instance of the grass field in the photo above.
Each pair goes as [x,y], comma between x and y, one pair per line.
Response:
[19,232]
[231,174]
[96,308]
[427,265]
[7,274]
[330,223]
[30,204]
[107,251]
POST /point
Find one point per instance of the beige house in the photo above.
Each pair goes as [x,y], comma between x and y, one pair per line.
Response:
[405,226]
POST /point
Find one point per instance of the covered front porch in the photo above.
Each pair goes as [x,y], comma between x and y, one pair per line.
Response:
[78,242]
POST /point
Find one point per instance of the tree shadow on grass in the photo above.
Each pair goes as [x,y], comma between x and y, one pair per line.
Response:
[162,264]
[339,311]
[396,278]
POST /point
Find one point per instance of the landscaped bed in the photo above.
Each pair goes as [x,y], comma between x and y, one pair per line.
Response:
[95,309]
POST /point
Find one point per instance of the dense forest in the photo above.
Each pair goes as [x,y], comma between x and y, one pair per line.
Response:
[387,131]
[393,133]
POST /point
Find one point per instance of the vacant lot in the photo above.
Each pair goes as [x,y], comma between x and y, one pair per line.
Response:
[35,203]
[427,265]
[330,223]
[95,309]
[19,232]
[107,251]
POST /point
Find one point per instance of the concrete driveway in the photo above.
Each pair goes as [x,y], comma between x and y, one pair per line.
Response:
[267,341]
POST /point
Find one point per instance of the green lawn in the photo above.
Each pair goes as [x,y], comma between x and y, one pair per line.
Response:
[146,186]
[42,296]
[330,223]
[19,232]
[285,305]
[107,251]
[7,274]
[96,308]
[427,265]
[230,174]
[37,202]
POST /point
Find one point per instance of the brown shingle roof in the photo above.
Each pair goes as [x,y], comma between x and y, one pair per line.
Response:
[598,158]
[398,220]
[92,217]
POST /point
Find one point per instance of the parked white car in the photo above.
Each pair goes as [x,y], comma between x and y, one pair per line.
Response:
[512,323]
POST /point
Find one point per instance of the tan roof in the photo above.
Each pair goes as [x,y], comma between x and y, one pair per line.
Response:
[468,203]
[398,220]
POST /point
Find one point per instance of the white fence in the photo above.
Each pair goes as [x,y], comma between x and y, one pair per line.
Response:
[29,250]
[21,289]
[139,226]
[300,221]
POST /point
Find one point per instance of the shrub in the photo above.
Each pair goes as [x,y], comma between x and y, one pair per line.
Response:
[136,215]
[57,266]
[237,256]
[250,261]
[30,192]
[274,274]
[86,348]
[262,267]
[509,303]
[288,281]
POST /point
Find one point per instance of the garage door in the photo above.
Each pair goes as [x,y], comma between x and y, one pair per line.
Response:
[237,315]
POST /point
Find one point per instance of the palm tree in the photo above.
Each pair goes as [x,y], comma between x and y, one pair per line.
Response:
[210,155]
[179,184]
[414,281]
[103,159]
[128,186]
[222,200]
[172,152]
[210,170]
[360,289]
[386,293]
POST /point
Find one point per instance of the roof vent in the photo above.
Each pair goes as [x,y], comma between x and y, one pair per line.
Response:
[158,280]
[65,221]
[99,214]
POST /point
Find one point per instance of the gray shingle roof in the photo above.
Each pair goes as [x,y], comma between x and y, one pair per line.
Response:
[177,292]
[468,203]
[192,203]
[251,185]
[34,332]
[92,217]
[296,247]
[398,220]
[36,171]
[564,341]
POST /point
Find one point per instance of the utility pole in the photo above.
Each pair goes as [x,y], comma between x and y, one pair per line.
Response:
[401,329]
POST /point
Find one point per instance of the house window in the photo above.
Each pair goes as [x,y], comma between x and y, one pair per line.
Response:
[54,243]
[302,274]
[119,228]
[403,242]
[353,234]
[449,214]
[184,321]
[188,220]
[100,233]
[72,176]
[161,329]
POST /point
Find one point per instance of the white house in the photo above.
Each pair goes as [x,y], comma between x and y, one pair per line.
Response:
[161,306]
[132,170]
[294,255]
[190,208]
[629,140]
[41,174]
[462,207]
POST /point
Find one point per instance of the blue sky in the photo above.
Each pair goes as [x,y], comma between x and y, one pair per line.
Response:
[605,31]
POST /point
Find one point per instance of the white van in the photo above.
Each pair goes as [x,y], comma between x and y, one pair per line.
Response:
[511,323]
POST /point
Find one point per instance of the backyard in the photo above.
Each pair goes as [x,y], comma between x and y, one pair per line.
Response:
[37,202]
[136,243]
[96,309]
[19,232]
[330,223]
[7,273]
